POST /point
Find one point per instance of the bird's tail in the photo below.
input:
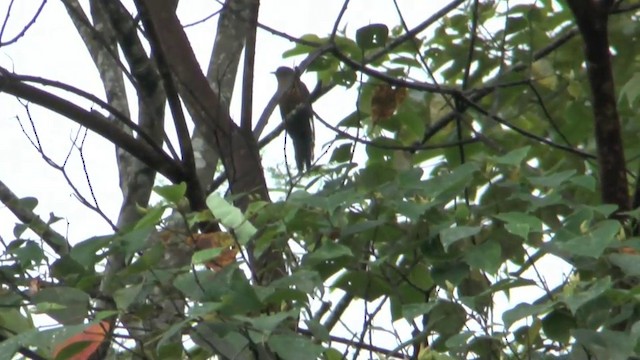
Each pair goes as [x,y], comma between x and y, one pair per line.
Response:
[304,153]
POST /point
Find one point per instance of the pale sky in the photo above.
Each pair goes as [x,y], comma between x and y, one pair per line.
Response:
[52,49]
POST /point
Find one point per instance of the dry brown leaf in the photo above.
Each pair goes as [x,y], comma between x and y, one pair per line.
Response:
[385,101]
[217,240]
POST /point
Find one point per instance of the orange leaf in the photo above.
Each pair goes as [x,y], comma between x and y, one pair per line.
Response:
[34,286]
[628,250]
[92,336]
[217,240]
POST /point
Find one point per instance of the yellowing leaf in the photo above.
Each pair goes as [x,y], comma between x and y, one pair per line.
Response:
[544,74]
[438,107]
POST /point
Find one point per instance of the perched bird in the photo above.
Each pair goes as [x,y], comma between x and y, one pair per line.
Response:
[295,108]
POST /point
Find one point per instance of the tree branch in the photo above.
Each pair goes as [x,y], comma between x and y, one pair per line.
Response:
[51,237]
[237,148]
[592,18]
[93,121]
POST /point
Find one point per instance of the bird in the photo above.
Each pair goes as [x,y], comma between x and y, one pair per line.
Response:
[297,114]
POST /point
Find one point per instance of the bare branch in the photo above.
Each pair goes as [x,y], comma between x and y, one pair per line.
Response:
[24,29]
[93,121]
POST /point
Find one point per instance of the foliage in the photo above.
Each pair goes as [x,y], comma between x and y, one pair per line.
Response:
[444,219]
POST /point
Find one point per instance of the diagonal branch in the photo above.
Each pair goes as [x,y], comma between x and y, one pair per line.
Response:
[52,238]
[95,122]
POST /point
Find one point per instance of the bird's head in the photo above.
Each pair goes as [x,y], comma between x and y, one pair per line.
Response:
[284,72]
[285,76]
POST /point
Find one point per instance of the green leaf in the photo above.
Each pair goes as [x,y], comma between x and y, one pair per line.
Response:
[126,296]
[27,252]
[204,309]
[39,338]
[151,218]
[344,78]
[231,217]
[202,256]
[629,263]
[219,340]
[352,120]
[28,203]
[532,222]
[135,240]
[67,305]
[192,285]
[459,341]
[242,298]
[446,186]
[362,284]
[520,224]
[486,256]
[449,272]
[53,219]
[376,174]
[522,311]
[348,46]
[586,181]
[361,226]
[595,242]
[518,229]
[169,350]
[12,321]
[605,209]
[507,284]
[552,181]
[88,252]
[515,24]
[19,229]
[557,325]
[290,347]
[267,323]
[473,291]
[412,311]
[323,64]
[301,49]
[604,344]
[68,269]
[342,153]
[447,318]
[172,193]
[372,36]
[631,89]
[332,354]
[513,157]
[580,297]
[328,250]
[407,61]
[304,280]
[318,330]
[451,235]
[485,346]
